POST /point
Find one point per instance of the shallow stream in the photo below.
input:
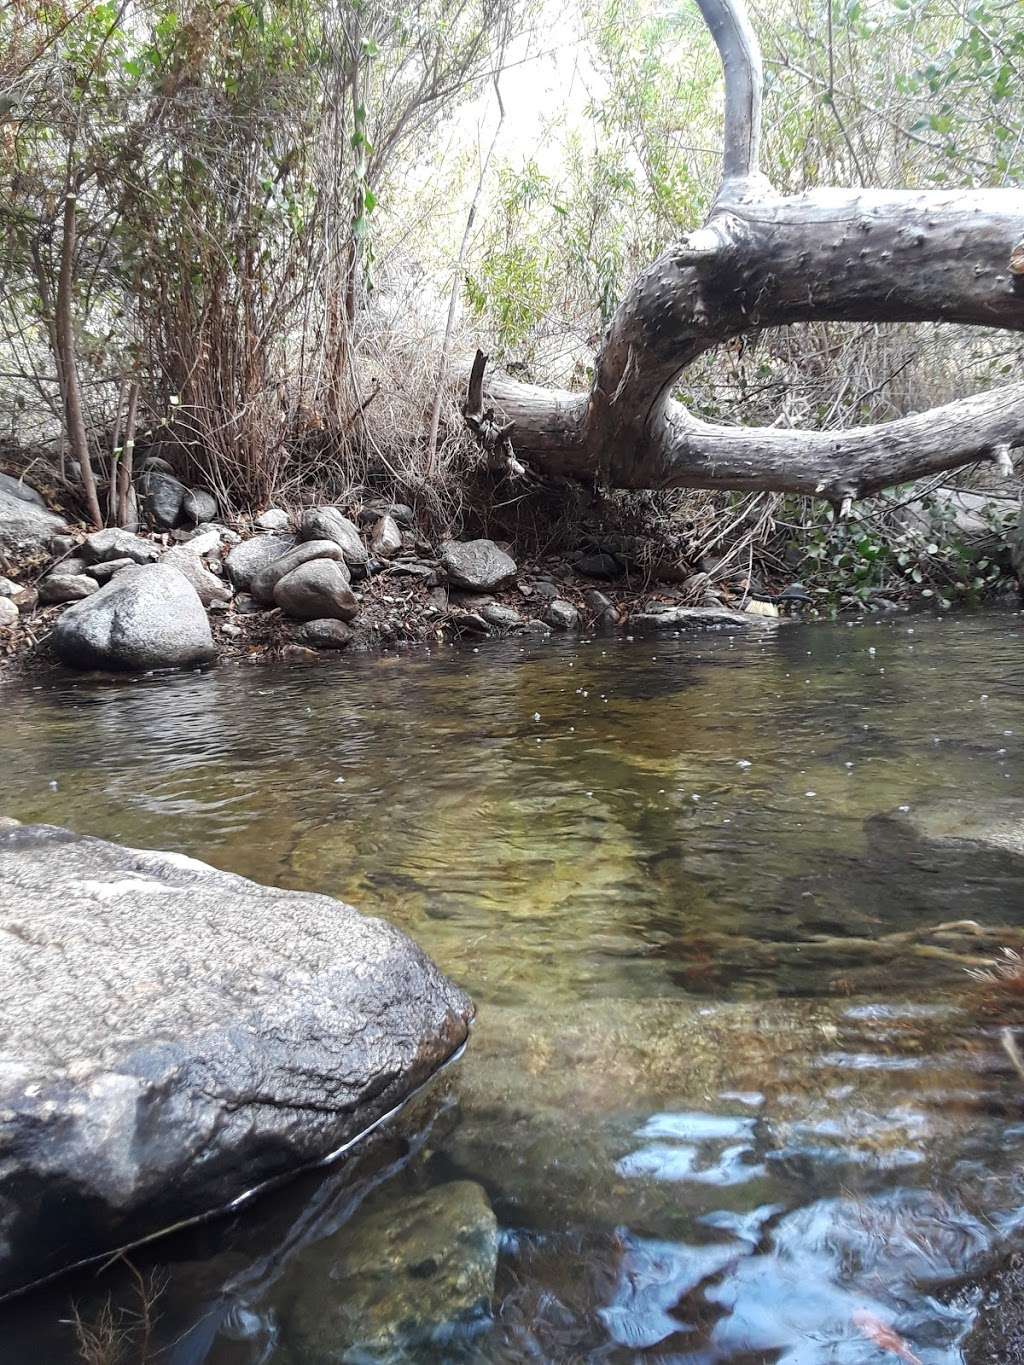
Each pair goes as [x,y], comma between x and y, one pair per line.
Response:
[717,1115]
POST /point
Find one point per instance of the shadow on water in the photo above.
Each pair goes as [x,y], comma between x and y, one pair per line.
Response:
[718,1107]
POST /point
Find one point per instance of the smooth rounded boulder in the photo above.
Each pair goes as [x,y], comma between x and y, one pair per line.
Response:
[477,564]
[315,591]
[264,583]
[172,1037]
[145,617]
[251,557]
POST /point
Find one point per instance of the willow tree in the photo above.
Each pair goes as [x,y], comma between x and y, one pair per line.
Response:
[766,260]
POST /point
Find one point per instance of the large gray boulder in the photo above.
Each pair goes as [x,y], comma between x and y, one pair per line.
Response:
[476,564]
[249,558]
[995,826]
[145,617]
[26,528]
[172,1036]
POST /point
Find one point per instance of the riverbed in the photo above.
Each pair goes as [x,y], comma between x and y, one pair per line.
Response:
[712,1125]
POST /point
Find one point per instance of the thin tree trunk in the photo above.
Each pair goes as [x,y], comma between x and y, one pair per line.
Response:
[77,436]
[446,344]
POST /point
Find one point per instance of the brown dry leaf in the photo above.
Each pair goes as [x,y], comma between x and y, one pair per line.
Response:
[884,1337]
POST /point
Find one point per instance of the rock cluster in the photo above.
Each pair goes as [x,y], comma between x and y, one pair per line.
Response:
[336,577]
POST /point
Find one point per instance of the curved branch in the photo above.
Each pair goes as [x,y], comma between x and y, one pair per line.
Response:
[744,78]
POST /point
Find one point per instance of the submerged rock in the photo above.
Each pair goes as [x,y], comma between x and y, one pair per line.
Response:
[997,826]
[476,564]
[171,1036]
[399,1276]
[146,617]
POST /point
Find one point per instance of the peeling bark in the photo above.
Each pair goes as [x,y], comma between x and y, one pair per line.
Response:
[765,260]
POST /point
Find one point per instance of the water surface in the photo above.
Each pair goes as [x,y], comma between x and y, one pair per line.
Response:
[718,1115]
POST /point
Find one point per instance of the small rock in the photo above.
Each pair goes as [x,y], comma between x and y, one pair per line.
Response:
[26,599]
[501,617]
[58,587]
[210,588]
[600,564]
[468,623]
[224,533]
[327,523]
[197,506]
[104,572]
[232,631]
[70,567]
[386,539]
[325,634]
[8,587]
[263,584]
[114,543]
[536,627]
[476,564]
[8,613]
[545,589]
[251,557]
[316,590]
[162,497]
[149,616]
[755,607]
[62,545]
[273,519]
[298,654]
[397,511]
[245,605]
[562,615]
[681,618]
[205,542]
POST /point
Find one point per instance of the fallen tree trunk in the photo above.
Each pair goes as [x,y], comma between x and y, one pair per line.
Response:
[765,260]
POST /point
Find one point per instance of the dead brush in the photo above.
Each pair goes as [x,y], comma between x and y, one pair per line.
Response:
[121,1334]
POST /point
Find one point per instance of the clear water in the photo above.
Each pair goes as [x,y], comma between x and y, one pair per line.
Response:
[718,1116]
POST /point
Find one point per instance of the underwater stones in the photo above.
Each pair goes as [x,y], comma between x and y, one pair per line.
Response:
[327,523]
[266,580]
[173,1036]
[324,634]
[996,826]
[149,616]
[71,587]
[317,590]
[113,543]
[397,1277]
[562,615]
[273,519]
[251,557]
[476,564]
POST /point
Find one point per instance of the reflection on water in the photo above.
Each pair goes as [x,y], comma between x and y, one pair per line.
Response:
[720,1105]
